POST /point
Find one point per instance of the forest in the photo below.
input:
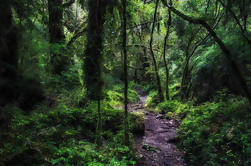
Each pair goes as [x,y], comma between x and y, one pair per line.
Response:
[125,82]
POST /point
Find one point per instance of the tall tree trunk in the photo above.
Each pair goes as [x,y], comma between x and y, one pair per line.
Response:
[160,94]
[185,74]
[126,132]
[8,55]
[227,53]
[165,45]
[56,33]
[145,63]
[98,138]
[93,56]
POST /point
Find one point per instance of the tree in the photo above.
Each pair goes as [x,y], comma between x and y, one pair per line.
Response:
[222,46]
[160,94]
[164,54]
[93,56]
[243,6]
[8,54]
[189,53]
[56,33]
[125,76]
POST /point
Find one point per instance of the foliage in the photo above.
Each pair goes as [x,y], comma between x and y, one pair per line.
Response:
[115,96]
[217,133]
[61,133]
[152,99]
[47,118]
[173,109]
[135,86]
[85,153]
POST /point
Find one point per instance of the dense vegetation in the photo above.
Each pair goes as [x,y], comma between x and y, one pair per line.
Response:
[70,68]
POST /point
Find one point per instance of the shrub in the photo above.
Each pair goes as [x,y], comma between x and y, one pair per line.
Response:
[134,86]
[217,133]
[152,99]
[56,133]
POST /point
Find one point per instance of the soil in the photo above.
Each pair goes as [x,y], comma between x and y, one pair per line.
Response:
[157,146]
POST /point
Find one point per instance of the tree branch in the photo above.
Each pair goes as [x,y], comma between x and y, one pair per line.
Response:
[139,45]
[75,37]
[203,40]
[237,21]
[224,49]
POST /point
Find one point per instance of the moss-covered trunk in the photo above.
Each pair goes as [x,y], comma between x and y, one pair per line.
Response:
[93,55]
[56,34]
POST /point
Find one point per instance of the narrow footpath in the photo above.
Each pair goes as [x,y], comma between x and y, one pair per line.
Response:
[156,147]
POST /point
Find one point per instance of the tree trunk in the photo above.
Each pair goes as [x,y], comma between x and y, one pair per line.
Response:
[8,55]
[57,38]
[185,74]
[93,55]
[227,53]
[165,45]
[136,75]
[98,138]
[145,64]
[160,94]
[126,132]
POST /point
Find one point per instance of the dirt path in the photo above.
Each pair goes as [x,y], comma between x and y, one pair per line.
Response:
[155,147]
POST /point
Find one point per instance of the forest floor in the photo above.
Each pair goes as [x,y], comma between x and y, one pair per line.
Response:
[156,146]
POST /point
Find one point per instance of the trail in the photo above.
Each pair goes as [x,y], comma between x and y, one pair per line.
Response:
[156,147]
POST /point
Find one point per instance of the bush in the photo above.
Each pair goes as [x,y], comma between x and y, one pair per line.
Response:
[174,90]
[60,133]
[134,86]
[147,88]
[217,133]
[137,122]
[114,98]
[84,153]
[173,109]
[152,99]
[168,106]
[133,96]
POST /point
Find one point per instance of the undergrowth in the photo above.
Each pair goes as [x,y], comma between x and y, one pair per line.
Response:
[214,133]
[217,133]
[60,132]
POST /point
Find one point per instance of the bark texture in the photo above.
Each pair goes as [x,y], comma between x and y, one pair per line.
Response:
[164,56]
[160,94]
[126,132]
[57,38]
[93,55]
